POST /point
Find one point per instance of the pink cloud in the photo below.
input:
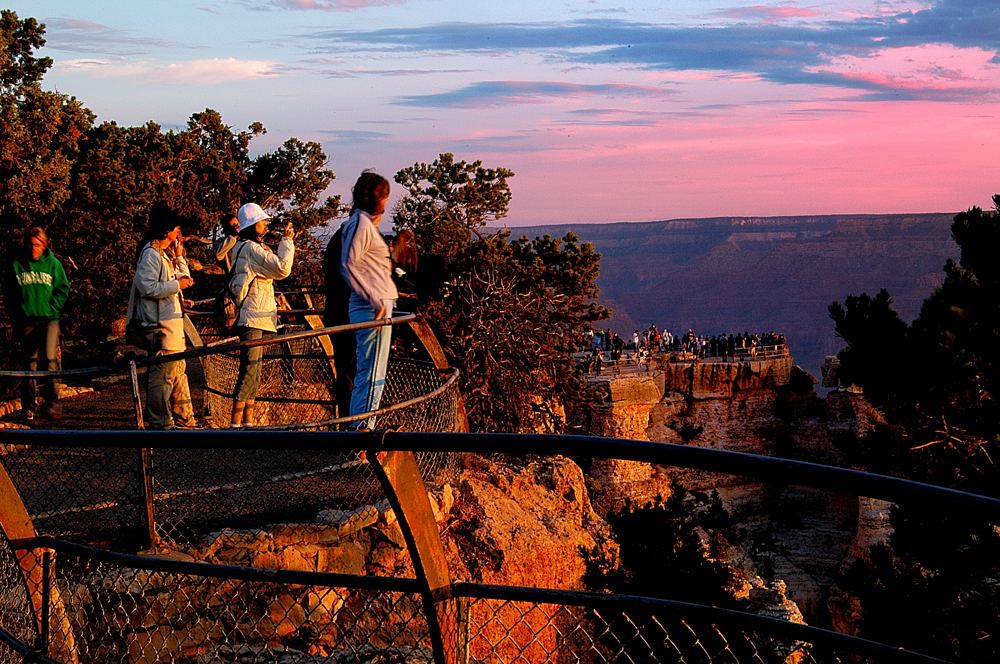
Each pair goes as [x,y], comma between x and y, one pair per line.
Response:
[810,159]
[929,68]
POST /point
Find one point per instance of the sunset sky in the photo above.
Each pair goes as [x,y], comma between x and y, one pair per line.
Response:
[619,110]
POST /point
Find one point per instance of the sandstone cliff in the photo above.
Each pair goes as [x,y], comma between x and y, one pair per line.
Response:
[800,535]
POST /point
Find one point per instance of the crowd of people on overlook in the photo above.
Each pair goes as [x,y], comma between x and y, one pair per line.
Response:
[360,287]
[608,346]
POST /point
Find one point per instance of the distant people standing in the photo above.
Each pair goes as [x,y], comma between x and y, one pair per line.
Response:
[36,289]
[224,237]
[155,302]
[255,267]
[367,269]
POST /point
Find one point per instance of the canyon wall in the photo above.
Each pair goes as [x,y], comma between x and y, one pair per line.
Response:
[800,535]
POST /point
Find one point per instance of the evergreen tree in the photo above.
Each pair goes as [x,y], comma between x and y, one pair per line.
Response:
[509,313]
[934,587]
[91,186]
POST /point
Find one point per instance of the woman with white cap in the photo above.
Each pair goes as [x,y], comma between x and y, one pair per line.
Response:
[255,267]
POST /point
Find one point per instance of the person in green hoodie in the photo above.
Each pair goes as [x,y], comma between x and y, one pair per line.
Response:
[37,290]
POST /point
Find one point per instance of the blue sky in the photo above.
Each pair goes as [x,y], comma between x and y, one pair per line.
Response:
[606,111]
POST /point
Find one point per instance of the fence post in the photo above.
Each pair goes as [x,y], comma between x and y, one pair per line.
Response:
[464,630]
[145,463]
[399,475]
[46,601]
[136,398]
[146,466]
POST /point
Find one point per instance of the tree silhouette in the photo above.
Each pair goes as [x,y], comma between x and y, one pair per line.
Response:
[934,587]
[510,313]
[91,185]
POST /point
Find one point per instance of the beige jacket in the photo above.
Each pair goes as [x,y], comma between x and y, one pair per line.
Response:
[155,296]
[255,268]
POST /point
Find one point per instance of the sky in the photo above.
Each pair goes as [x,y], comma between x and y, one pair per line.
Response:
[618,110]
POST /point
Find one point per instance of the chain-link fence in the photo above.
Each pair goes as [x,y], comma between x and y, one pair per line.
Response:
[99,495]
[131,496]
[527,632]
[296,384]
[18,622]
[106,607]
[116,608]
[272,601]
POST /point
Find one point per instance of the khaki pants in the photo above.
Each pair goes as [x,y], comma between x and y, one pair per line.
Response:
[168,397]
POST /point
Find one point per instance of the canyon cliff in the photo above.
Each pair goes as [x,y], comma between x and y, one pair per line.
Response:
[731,274]
[799,535]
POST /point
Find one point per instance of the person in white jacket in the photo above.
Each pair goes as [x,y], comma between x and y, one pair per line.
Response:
[366,267]
[255,267]
[161,273]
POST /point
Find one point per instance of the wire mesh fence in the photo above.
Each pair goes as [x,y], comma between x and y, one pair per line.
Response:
[17,614]
[98,495]
[103,494]
[102,607]
[296,385]
[121,611]
[527,632]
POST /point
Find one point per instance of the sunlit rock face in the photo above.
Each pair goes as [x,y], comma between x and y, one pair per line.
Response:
[769,407]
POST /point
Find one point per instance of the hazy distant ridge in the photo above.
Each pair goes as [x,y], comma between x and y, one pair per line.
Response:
[763,273]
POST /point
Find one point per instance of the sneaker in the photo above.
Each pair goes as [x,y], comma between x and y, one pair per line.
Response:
[29,416]
[188,424]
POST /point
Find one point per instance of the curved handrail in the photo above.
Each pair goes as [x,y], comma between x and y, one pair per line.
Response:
[786,471]
[225,345]
[780,470]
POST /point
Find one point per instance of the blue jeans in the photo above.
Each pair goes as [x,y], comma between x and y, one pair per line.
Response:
[372,359]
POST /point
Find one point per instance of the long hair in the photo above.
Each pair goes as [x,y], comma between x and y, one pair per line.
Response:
[35,232]
[368,191]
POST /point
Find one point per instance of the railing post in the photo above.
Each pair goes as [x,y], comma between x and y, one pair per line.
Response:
[46,601]
[149,519]
[463,630]
[399,475]
[430,342]
[145,464]
[136,398]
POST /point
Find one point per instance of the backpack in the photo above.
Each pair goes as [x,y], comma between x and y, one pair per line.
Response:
[226,305]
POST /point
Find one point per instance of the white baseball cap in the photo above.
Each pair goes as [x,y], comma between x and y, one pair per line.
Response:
[250,214]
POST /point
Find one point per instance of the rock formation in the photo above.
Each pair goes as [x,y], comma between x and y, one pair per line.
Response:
[799,535]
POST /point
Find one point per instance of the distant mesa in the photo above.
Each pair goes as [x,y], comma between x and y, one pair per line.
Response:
[729,274]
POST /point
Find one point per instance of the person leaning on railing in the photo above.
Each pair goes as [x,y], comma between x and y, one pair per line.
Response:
[366,267]
[255,267]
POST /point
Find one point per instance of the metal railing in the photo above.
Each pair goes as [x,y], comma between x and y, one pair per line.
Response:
[107,606]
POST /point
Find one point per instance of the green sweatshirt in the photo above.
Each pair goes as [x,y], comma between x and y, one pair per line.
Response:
[40,288]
